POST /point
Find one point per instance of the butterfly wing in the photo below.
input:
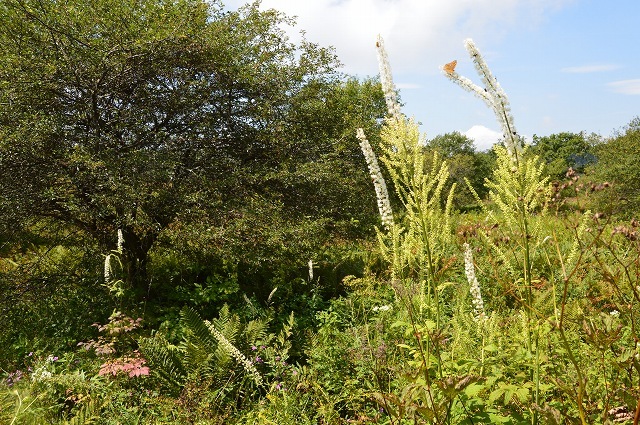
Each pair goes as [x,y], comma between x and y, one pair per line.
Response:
[450,68]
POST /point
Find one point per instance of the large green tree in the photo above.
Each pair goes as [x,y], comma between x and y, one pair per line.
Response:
[465,164]
[140,114]
[618,163]
[562,151]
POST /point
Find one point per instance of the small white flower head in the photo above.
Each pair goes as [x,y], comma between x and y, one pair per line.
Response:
[120,241]
[474,286]
[382,308]
[382,195]
[615,313]
[41,374]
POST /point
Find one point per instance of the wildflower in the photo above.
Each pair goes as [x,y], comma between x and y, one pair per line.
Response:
[492,94]
[107,268]
[384,205]
[51,358]
[120,241]
[382,308]
[615,313]
[310,270]
[386,79]
[14,377]
[476,296]
[254,348]
[41,374]
[133,366]
[235,353]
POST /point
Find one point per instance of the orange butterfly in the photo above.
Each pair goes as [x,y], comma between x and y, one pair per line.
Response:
[450,68]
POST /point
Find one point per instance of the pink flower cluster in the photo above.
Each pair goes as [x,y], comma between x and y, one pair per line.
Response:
[132,366]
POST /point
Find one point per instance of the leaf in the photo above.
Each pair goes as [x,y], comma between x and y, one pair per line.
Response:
[523,394]
[474,389]
[429,325]
[497,419]
[508,395]
[400,323]
[490,348]
[496,394]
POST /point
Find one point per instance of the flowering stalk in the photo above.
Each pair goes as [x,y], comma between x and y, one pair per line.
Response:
[120,243]
[107,269]
[474,289]
[386,79]
[235,353]
[384,206]
[492,94]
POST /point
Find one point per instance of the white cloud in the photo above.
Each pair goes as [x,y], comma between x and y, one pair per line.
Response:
[625,86]
[420,35]
[585,69]
[484,138]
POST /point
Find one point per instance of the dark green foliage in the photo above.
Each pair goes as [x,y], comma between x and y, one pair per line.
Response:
[565,150]
[201,356]
[232,361]
[618,164]
[464,164]
[157,114]
[224,153]
[48,301]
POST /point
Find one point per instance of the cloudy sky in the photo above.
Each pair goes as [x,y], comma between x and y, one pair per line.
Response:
[566,65]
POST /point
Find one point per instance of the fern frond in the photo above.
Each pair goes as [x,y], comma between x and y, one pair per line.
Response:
[166,361]
[256,330]
[87,414]
[235,353]
[194,325]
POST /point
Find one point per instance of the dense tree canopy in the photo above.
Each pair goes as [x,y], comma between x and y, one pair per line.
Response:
[565,150]
[465,164]
[618,164]
[140,114]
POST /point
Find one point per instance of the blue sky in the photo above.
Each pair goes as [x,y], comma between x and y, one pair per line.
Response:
[566,65]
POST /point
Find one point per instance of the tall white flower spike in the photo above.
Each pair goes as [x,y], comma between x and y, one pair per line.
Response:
[492,94]
[386,79]
[474,286]
[384,206]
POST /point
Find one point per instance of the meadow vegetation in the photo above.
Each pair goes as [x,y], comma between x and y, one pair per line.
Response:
[203,223]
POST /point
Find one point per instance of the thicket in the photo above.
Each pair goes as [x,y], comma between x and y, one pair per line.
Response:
[189,234]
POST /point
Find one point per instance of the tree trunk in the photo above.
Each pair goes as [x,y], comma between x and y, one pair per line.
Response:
[135,260]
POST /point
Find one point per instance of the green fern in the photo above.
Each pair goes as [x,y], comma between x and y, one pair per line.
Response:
[87,414]
[229,326]
[207,353]
[166,361]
